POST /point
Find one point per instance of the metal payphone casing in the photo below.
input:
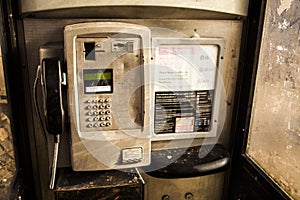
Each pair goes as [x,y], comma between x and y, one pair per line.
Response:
[109,128]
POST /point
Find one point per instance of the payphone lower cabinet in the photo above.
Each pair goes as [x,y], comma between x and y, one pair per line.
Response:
[104,185]
[113,184]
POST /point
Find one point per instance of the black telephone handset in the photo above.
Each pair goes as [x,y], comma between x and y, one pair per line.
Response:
[53,105]
[54,111]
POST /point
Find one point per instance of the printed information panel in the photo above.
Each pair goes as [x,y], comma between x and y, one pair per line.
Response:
[183,111]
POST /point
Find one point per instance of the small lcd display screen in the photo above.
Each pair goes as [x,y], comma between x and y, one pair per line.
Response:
[97,76]
[98,81]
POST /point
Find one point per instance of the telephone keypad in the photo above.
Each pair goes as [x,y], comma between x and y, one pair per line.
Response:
[102,112]
[89,107]
[98,111]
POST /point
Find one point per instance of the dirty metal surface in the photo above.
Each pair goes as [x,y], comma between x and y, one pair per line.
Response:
[111,184]
[190,162]
[274,141]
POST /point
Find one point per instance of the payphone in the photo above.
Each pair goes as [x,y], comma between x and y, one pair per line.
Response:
[106,73]
[141,97]
[126,89]
[107,67]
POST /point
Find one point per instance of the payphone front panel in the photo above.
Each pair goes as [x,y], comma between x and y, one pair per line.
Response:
[106,76]
[101,73]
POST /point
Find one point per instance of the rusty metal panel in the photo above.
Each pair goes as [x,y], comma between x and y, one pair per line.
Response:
[274,141]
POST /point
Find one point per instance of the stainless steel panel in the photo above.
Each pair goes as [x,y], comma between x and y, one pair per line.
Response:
[196,188]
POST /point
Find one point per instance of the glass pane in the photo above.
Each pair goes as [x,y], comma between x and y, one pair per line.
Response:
[7,162]
[274,138]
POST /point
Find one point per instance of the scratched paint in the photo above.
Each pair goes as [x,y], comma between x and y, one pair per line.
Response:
[284,25]
[274,137]
[281,48]
[284,6]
